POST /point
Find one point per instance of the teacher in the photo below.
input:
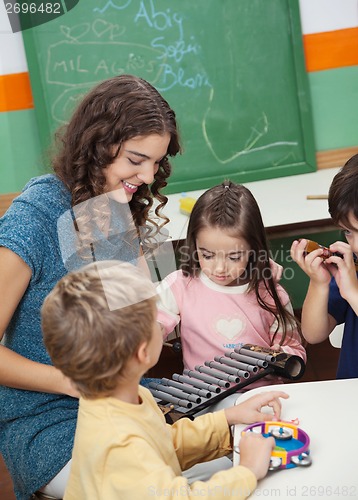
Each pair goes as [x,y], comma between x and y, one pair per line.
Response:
[111,162]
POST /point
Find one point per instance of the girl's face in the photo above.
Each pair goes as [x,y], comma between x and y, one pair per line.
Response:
[136,163]
[222,258]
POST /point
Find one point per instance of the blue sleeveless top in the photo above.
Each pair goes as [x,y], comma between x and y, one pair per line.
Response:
[37,429]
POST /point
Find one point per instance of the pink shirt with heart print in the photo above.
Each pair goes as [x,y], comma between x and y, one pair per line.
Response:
[215,318]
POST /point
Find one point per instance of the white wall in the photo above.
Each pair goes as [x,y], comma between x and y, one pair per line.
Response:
[12,53]
[328,15]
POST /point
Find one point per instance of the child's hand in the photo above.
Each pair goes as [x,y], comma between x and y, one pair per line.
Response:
[250,412]
[276,270]
[312,263]
[344,271]
[255,453]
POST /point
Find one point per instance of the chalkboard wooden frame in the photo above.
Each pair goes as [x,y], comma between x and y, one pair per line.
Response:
[240,86]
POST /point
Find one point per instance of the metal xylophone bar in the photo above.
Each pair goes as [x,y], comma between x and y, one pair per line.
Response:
[216,379]
[197,389]
[190,409]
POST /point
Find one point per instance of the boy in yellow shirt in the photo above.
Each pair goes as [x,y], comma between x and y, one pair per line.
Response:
[100,329]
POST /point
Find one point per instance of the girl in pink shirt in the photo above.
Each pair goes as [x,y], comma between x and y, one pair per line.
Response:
[225,294]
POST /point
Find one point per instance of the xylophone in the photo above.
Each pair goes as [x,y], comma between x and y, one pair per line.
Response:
[192,391]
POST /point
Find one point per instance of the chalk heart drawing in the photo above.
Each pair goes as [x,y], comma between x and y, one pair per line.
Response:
[229,328]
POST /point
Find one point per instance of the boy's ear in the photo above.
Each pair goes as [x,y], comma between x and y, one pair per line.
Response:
[143,353]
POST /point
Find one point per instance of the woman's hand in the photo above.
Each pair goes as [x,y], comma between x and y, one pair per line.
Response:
[250,412]
[68,387]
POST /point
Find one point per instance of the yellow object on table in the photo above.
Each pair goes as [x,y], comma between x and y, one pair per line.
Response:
[186,205]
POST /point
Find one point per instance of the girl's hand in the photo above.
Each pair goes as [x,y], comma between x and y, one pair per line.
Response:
[276,270]
[312,263]
[250,412]
[255,453]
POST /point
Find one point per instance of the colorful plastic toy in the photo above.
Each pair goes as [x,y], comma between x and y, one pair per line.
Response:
[292,444]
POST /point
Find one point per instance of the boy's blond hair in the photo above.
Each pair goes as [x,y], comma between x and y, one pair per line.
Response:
[94,320]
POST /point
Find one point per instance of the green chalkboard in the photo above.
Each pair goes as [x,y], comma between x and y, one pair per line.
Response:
[233,70]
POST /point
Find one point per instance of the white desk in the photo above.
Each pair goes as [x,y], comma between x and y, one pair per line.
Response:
[327,411]
[282,201]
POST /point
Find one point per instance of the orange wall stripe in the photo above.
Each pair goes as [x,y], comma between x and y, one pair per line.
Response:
[331,49]
[15,92]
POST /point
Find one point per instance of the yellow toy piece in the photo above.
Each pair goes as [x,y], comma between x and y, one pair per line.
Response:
[186,205]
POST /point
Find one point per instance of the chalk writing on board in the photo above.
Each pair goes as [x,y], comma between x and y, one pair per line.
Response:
[112,5]
[258,130]
[243,112]
[92,51]
[168,55]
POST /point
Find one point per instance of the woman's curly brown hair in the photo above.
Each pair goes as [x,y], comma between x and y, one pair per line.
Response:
[113,112]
